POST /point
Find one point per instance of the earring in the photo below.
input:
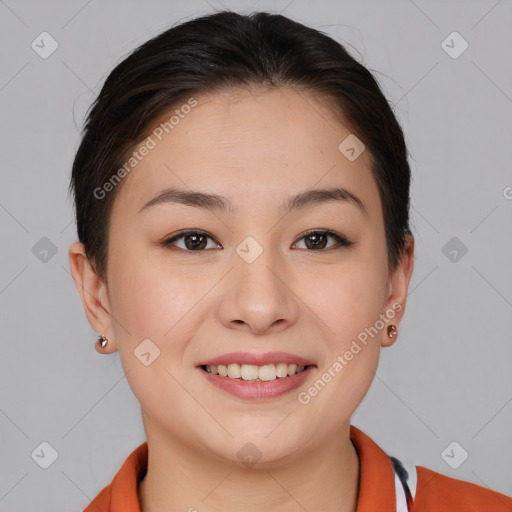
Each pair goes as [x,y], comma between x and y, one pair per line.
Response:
[102,340]
[392,332]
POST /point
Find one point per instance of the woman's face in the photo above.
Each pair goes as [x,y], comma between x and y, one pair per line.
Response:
[252,282]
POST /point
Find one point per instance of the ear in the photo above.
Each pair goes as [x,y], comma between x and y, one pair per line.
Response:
[398,285]
[94,294]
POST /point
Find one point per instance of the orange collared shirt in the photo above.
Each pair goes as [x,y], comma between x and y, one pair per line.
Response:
[382,487]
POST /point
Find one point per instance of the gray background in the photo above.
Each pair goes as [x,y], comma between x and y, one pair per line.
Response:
[446,379]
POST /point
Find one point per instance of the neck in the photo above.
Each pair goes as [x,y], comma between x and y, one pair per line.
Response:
[179,479]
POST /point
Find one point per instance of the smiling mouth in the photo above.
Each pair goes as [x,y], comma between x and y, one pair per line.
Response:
[251,372]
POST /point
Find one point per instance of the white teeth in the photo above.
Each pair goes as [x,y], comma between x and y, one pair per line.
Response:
[268,372]
[282,370]
[234,371]
[249,372]
[265,372]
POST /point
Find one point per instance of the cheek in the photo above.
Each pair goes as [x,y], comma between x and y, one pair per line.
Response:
[347,308]
[153,299]
[155,303]
[346,300]
[145,303]
[350,303]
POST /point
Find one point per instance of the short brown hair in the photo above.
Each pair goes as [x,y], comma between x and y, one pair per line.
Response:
[221,51]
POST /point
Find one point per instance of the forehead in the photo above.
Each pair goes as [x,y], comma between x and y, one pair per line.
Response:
[248,145]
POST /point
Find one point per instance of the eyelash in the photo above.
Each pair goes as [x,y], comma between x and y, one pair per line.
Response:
[342,241]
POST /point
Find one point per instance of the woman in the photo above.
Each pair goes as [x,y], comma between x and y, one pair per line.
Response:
[242,205]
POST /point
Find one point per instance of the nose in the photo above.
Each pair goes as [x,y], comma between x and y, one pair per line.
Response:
[258,296]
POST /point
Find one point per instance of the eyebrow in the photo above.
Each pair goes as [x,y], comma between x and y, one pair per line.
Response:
[215,202]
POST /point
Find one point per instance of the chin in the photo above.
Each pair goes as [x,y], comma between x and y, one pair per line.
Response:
[260,447]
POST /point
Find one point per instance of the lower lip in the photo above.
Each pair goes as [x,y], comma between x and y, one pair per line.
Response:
[258,390]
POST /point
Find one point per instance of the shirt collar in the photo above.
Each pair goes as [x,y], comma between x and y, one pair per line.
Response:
[376,479]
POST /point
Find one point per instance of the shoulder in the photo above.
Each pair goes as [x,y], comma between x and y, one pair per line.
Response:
[101,503]
[438,492]
[390,484]
[122,493]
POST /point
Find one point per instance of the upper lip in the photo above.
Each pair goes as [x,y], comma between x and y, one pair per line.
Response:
[257,359]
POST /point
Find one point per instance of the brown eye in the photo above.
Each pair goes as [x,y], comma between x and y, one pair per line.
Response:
[317,240]
[194,241]
[197,241]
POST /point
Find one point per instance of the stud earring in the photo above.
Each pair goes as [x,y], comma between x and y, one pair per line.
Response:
[102,340]
[392,332]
